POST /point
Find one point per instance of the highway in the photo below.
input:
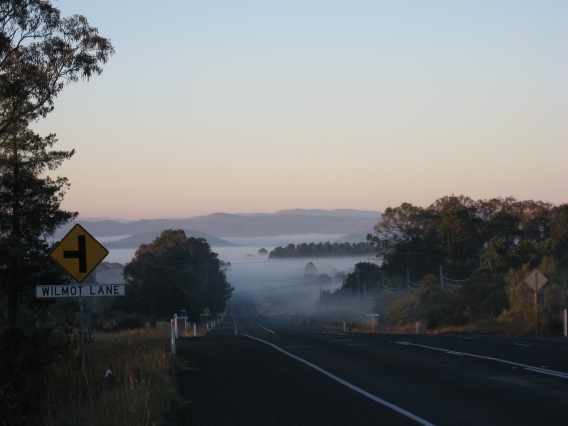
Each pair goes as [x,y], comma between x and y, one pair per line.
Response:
[255,370]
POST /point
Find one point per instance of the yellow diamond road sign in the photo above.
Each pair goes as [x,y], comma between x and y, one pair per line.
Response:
[78,253]
[206,310]
[536,280]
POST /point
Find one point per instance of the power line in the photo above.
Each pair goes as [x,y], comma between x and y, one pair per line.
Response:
[275,288]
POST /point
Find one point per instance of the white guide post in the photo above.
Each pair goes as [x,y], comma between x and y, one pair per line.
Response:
[173,337]
[176,325]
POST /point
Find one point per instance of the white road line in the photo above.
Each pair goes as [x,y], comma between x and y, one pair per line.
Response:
[263,327]
[296,347]
[521,344]
[526,367]
[350,386]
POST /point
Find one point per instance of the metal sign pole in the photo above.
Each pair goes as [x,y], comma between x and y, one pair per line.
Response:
[82,335]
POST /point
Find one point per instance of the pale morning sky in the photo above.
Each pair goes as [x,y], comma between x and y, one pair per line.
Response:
[257,106]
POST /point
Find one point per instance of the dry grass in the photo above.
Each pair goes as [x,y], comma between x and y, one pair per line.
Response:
[140,389]
[482,327]
[489,327]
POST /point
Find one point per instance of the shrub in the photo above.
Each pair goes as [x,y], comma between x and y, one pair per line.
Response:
[129,322]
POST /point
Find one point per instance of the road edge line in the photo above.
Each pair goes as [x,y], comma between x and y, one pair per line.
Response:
[560,374]
[349,385]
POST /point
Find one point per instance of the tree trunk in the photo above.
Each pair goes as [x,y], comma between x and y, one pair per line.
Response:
[15,237]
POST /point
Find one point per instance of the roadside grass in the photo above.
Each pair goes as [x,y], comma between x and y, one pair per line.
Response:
[494,328]
[140,389]
[480,327]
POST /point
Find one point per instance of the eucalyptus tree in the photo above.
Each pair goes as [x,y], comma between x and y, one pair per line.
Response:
[173,273]
[40,53]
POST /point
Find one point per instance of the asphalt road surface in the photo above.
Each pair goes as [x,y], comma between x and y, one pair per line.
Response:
[251,370]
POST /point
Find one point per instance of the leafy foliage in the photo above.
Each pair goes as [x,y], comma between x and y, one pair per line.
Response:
[129,322]
[491,245]
[29,214]
[173,273]
[40,53]
[366,276]
[430,303]
[326,249]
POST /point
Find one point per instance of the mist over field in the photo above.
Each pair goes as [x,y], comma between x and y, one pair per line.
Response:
[267,279]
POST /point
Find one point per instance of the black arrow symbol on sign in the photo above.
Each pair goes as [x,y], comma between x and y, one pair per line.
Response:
[80,254]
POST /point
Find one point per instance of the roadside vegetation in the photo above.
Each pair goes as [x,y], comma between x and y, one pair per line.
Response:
[326,249]
[41,382]
[460,265]
[41,52]
[137,392]
[175,273]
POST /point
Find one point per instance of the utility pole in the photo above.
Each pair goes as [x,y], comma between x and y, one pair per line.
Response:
[536,304]
[358,283]
[441,276]
[407,275]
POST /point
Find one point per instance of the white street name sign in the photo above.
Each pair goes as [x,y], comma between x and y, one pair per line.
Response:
[90,290]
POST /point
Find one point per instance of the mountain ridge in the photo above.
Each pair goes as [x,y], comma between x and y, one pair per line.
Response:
[227,225]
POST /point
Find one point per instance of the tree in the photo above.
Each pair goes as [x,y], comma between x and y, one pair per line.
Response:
[406,237]
[458,228]
[29,214]
[173,273]
[365,277]
[430,303]
[310,270]
[482,295]
[40,53]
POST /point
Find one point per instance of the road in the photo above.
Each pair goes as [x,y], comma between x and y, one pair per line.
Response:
[255,370]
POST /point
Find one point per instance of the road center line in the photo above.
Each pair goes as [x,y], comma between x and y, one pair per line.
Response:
[350,386]
[263,327]
[516,364]
[296,347]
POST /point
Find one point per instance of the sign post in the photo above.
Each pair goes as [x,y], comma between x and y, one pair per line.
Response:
[373,320]
[536,280]
[78,254]
[184,319]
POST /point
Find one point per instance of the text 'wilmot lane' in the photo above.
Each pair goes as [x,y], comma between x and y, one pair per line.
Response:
[80,290]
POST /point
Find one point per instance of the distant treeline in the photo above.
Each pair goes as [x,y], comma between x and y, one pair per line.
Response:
[461,261]
[326,249]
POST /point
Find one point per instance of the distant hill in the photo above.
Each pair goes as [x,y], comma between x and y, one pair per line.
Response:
[355,237]
[333,213]
[233,225]
[134,241]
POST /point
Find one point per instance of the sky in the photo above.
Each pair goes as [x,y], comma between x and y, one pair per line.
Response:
[259,106]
